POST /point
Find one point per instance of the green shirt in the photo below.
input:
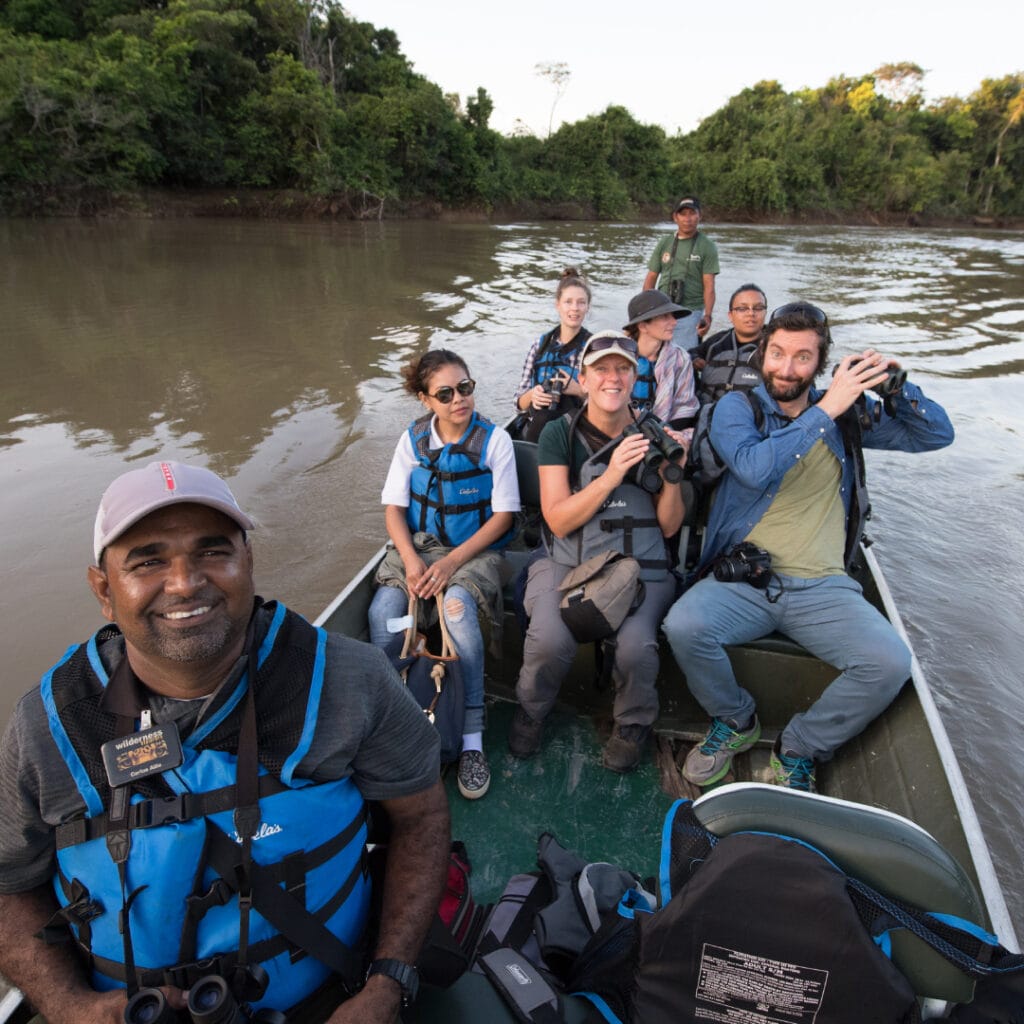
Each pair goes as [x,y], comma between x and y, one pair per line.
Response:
[553,444]
[804,528]
[694,258]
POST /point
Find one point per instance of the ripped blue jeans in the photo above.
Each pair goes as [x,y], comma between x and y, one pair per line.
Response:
[460,615]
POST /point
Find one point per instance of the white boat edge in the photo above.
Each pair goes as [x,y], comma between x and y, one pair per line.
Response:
[991,891]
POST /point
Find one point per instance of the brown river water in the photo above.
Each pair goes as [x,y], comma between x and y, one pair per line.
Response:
[270,353]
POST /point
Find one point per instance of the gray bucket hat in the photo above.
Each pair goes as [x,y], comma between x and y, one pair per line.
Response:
[651,303]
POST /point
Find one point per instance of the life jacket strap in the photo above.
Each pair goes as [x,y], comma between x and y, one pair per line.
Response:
[162,811]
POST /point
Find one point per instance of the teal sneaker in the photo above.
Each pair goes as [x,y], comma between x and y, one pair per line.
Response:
[709,762]
[792,771]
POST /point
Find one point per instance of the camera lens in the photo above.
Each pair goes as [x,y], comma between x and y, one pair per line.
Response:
[148,1006]
[210,1002]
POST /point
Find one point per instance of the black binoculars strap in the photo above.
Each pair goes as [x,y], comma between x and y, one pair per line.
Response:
[247,813]
[119,842]
[287,913]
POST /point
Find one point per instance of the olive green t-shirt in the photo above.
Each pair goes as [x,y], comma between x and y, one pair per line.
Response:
[694,258]
[804,529]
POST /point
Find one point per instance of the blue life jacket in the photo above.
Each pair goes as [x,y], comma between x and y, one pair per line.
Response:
[645,386]
[553,357]
[184,854]
[450,488]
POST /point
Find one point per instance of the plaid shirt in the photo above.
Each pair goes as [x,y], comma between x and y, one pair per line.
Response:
[526,382]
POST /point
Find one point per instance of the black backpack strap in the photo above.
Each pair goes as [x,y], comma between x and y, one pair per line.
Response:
[966,950]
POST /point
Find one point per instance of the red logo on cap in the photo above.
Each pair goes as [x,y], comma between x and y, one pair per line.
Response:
[165,468]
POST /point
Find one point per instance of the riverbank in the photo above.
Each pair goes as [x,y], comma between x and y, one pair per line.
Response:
[283,204]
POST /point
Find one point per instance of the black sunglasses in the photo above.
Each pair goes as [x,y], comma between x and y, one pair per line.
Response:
[622,341]
[800,309]
[446,394]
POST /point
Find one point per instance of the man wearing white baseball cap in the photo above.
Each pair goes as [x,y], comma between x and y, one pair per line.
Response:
[177,823]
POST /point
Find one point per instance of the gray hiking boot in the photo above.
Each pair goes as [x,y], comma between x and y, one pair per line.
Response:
[710,760]
[625,747]
[524,734]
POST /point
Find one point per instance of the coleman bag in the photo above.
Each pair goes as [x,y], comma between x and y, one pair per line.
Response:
[599,594]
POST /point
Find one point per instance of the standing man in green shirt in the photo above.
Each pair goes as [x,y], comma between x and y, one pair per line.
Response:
[684,266]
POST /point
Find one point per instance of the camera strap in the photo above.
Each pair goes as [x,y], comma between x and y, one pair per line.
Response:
[686,266]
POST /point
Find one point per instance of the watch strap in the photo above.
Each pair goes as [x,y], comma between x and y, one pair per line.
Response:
[405,974]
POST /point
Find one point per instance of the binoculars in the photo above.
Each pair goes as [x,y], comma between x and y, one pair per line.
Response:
[894,380]
[554,388]
[664,451]
[210,1001]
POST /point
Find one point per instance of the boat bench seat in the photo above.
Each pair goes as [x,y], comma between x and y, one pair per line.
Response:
[886,851]
[778,643]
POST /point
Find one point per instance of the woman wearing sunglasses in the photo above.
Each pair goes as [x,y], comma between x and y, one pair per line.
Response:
[549,384]
[450,499]
[591,505]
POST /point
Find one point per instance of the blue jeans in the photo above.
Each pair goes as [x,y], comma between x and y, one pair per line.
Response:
[827,616]
[684,335]
[464,626]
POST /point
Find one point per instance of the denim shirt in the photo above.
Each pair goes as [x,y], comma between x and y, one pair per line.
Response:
[757,460]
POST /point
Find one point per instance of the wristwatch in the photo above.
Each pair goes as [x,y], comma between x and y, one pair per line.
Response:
[405,974]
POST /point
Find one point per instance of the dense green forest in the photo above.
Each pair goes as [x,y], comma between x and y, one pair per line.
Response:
[102,98]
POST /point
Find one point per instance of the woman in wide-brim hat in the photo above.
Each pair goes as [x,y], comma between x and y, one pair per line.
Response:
[664,384]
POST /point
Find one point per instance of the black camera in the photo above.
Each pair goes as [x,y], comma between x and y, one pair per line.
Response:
[746,563]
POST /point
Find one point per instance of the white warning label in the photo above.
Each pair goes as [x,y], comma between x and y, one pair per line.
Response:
[734,987]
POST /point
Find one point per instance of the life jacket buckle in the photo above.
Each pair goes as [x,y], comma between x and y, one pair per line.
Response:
[160,811]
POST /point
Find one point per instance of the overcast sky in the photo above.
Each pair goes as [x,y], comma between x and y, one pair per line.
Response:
[675,63]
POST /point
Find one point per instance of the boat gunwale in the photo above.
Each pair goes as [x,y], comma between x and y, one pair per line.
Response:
[988,880]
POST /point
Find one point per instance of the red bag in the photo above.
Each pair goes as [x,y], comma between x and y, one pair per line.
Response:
[451,941]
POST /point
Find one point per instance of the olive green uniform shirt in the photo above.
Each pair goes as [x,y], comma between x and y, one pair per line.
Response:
[694,258]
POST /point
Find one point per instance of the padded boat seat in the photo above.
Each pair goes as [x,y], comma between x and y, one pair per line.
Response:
[888,852]
[526,471]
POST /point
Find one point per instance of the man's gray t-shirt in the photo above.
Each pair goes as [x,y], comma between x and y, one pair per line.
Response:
[369,727]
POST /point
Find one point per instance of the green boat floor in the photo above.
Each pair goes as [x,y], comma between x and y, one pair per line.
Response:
[564,790]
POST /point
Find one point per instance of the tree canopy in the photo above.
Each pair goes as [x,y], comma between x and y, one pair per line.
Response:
[115,95]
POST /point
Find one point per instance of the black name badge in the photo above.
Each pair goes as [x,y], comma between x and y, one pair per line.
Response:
[141,754]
